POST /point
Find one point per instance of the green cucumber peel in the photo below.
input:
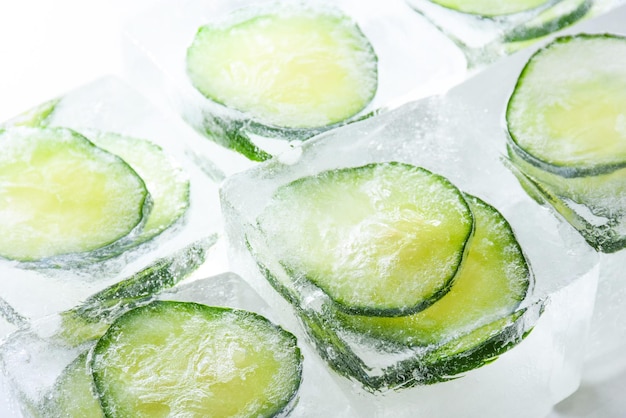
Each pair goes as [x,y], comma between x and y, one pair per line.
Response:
[89,320]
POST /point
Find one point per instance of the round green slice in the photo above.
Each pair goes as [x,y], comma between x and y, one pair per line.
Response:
[60,194]
[594,205]
[478,347]
[562,14]
[566,114]
[166,181]
[602,194]
[381,239]
[35,117]
[492,281]
[491,8]
[72,395]
[186,359]
[292,68]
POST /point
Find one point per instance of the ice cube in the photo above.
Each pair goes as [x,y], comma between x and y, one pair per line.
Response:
[607,334]
[486,32]
[413,60]
[33,359]
[109,105]
[608,324]
[447,136]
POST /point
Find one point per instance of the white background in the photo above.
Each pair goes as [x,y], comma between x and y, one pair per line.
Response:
[48,47]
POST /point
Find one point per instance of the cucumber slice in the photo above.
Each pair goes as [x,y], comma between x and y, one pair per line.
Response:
[293,68]
[594,205]
[64,196]
[601,194]
[491,8]
[72,395]
[92,318]
[478,347]
[562,14]
[34,118]
[187,359]
[381,239]
[166,181]
[566,114]
[232,134]
[492,281]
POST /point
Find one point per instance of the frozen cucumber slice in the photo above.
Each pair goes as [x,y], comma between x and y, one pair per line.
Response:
[493,279]
[566,113]
[562,14]
[478,347]
[34,118]
[594,205]
[187,359]
[89,320]
[491,8]
[166,181]
[294,68]
[65,196]
[601,194]
[72,395]
[381,239]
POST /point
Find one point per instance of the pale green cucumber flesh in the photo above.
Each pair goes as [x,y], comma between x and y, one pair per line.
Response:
[381,239]
[556,17]
[493,279]
[490,8]
[294,68]
[72,395]
[63,195]
[187,359]
[165,180]
[567,110]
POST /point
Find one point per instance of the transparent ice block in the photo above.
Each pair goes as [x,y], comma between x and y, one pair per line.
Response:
[484,38]
[34,357]
[414,60]
[447,136]
[109,105]
[607,331]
